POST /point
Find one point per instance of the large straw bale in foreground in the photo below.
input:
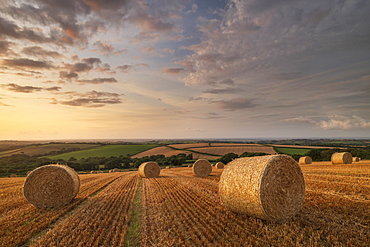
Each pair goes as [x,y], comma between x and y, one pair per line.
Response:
[306,160]
[149,170]
[202,168]
[51,186]
[341,158]
[220,165]
[269,187]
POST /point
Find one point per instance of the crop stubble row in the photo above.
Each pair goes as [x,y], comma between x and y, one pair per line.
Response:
[181,209]
[102,221]
[19,220]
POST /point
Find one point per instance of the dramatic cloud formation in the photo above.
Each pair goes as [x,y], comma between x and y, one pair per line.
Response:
[230,68]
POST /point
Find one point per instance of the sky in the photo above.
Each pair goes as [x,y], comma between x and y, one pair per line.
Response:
[123,69]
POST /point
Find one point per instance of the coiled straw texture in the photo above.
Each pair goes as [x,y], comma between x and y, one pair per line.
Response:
[51,186]
[269,187]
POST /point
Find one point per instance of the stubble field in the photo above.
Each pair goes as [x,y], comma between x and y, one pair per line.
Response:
[179,209]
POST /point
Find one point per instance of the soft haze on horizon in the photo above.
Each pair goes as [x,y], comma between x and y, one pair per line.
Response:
[124,69]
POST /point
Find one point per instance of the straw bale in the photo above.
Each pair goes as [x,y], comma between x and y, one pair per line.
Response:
[306,160]
[190,165]
[355,159]
[202,168]
[51,186]
[341,158]
[13,176]
[269,187]
[220,165]
[149,170]
[115,170]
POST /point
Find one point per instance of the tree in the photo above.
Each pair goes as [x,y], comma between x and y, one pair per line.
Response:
[228,157]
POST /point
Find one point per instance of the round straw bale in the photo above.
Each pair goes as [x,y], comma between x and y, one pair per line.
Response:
[115,170]
[51,186]
[202,168]
[269,187]
[190,165]
[341,158]
[220,165]
[149,170]
[305,160]
[13,176]
[355,159]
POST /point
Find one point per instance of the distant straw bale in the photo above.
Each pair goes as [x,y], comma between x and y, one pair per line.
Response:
[306,160]
[202,168]
[355,159]
[51,186]
[341,158]
[13,176]
[149,170]
[190,165]
[269,187]
[220,165]
[115,170]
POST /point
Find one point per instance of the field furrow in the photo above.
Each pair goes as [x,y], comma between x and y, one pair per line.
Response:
[101,221]
[20,220]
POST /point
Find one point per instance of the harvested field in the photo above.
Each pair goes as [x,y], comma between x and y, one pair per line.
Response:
[46,148]
[180,209]
[236,149]
[308,147]
[189,145]
[166,151]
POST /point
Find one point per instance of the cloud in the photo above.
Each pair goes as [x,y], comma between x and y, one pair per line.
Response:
[68,75]
[53,89]
[193,9]
[98,81]
[107,49]
[127,68]
[21,89]
[85,65]
[173,71]
[223,90]
[27,63]
[335,122]
[92,99]
[235,104]
[3,104]
[5,48]
[260,37]
[11,30]
[38,51]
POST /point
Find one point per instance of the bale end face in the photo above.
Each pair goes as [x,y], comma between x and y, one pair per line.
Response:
[220,165]
[51,186]
[202,168]
[269,187]
[149,170]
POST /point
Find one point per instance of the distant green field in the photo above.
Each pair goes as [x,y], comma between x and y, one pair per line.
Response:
[105,151]
[291,151]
